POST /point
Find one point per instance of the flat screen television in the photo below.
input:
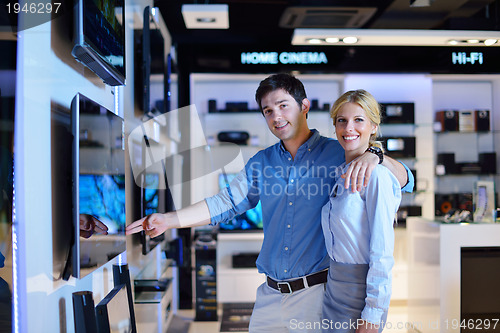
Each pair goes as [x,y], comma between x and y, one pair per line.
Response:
[100,38]
[150,190]
[113,312]
[98,185]
[151,60]
[250,220]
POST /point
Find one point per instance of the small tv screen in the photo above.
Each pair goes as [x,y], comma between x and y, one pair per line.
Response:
[151,194]
[100,38]
[98,185]
[113,312]
[250,220]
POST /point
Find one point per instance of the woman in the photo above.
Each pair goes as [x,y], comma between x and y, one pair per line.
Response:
[358,226]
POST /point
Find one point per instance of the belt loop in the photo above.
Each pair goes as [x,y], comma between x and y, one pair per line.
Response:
[306,285]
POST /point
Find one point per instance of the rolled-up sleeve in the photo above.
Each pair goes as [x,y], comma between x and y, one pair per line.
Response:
[410,185]
[232,200]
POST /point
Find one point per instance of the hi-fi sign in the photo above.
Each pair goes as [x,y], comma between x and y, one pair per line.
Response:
[463,58]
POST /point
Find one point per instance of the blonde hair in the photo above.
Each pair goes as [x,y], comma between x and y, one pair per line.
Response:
[368,103]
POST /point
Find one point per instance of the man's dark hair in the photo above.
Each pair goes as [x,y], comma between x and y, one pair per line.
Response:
[287,82]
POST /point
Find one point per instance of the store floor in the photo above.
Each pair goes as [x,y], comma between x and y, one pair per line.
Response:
[398,316]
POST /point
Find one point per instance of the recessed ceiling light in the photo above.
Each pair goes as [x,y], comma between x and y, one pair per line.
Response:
[489,42]
[350,40]
[206,19]
[332,40]
[314,41]
[399,37]
[205,16]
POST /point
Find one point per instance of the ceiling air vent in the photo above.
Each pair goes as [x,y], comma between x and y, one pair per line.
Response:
[326,17]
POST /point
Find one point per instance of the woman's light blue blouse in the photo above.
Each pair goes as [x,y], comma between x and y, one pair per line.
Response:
[358,229]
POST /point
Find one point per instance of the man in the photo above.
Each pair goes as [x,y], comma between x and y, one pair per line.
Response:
[292,179]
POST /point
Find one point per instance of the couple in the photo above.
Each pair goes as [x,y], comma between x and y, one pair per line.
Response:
[354,213]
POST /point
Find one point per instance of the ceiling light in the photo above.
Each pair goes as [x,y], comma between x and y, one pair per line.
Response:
[490,42]
[473,41]
[315,41]
[398,37]
[332,40]
[350,40]
[200,16]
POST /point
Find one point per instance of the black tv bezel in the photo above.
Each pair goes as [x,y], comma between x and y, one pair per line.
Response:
[75,123]
[145,63]
[165,199]
[121,275]
[101,309]
[90,55]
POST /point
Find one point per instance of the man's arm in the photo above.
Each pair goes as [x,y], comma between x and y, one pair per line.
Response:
[359,172]
[156,224]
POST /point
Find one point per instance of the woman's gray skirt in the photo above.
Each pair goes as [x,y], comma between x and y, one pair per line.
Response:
[345,297]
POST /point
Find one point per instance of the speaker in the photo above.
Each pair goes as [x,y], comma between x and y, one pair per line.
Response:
[482,120]
[236,106]
[448,161]
[488,163]
[314,104]
[212,105]
[238,137]
[444,203]
[448,120]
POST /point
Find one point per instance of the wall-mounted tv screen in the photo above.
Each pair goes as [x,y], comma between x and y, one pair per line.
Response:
[250,220]
[98,186]
[150,52]
[151,193]
[100,38]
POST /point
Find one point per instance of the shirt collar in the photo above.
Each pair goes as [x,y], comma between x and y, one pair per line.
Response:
[309,144]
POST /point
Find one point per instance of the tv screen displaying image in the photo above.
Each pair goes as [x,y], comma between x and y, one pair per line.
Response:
[100,38]
[103,196]
[99,186]
[250,220]
[151,193]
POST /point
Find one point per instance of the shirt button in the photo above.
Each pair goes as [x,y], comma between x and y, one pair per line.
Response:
[288,226]
[286,248]
[285,270]
[290,203]
[289,158]
[291,180]
[309,149]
